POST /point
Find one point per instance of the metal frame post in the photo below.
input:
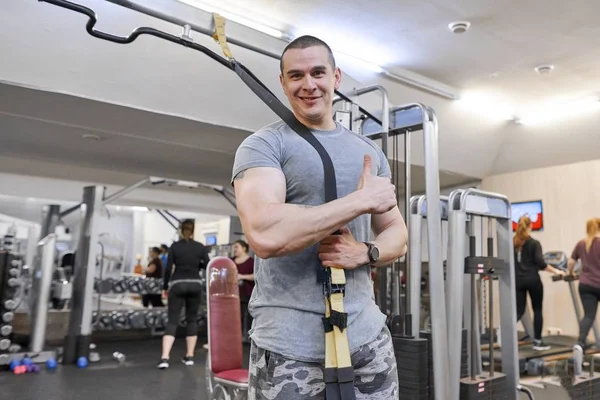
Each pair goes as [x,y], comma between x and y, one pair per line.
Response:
[42,282]
[475,202]
[50,217]
[508,301]
[78,338]
[414,263]
[455,281]
[436,268]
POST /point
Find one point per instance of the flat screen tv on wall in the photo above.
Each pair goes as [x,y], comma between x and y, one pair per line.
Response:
[533,209]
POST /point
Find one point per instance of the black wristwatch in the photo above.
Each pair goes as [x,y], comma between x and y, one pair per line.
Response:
[373,252]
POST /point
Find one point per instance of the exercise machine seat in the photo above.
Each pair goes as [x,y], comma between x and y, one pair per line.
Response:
[224,323]
[234,375]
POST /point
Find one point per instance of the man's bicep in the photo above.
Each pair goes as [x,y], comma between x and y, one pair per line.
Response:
[258,186]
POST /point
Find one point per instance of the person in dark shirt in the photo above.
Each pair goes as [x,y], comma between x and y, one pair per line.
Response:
[154,270]
[587,251]
[183,287]
[245,266]
[529,261]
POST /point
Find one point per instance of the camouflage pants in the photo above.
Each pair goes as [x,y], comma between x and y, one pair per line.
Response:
[274,377]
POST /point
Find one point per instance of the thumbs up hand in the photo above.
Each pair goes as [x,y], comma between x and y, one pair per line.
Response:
[378,193]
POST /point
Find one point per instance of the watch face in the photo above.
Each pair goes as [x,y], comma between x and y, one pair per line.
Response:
[374,253]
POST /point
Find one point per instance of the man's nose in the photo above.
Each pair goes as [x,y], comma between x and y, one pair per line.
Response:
[309,84]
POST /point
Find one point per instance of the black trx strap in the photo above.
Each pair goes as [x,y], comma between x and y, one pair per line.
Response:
[339,373]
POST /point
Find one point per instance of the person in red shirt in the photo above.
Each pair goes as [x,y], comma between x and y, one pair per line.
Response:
[245,266]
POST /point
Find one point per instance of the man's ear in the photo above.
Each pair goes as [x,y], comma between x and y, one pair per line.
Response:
[282,81]
[337,74]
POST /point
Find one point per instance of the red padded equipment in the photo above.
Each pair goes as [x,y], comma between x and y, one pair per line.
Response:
[234,375]
[226,354]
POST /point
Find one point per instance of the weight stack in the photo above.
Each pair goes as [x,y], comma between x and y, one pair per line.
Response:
[464,366]
[585,387]
[485,387]
[412,359]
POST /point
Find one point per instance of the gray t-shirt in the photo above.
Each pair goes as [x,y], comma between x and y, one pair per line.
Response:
[287,303]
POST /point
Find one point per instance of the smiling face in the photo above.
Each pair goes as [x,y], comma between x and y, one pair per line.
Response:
[309,80]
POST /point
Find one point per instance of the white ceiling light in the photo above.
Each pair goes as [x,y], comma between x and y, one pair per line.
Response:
[560,111]
[235,18]
[487,104]
[459,27]
[137,208]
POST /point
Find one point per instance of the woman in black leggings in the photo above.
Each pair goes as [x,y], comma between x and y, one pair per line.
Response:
[587,251]
[183,288]
[529,261]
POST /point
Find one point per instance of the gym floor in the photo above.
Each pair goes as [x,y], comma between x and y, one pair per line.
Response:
[136,378]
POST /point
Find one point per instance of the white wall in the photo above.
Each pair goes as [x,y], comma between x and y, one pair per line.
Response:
[570,195]
[156,231]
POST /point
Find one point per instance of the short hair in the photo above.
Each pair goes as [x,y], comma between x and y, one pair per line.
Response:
[156,250]
[304,42]
[164,247]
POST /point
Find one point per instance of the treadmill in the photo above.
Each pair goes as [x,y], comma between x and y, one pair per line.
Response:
[559,344]
[558,260]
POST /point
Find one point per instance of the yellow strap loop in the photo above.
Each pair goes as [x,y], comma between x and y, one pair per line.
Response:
[219,35]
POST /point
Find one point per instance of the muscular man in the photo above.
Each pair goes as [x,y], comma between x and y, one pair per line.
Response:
[279,185]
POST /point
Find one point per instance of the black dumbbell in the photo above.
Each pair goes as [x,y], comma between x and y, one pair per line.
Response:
[153,286]
[105,322]
[164,317]
[135,285]
[105,286]
[4,344]
[152,318]
[120,285]
[120,320]
[5,330]
[137,319]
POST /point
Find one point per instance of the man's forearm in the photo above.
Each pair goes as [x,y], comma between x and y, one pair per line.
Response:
[391,243]
[280,229]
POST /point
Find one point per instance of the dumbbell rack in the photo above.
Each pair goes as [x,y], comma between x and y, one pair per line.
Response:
[9,271]
[136,319]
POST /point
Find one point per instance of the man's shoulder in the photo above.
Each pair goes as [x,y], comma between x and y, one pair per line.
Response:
[271,131]
[368,141]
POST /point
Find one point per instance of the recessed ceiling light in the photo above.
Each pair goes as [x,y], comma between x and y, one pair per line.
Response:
[90,137]
[544,69]
[459,26]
